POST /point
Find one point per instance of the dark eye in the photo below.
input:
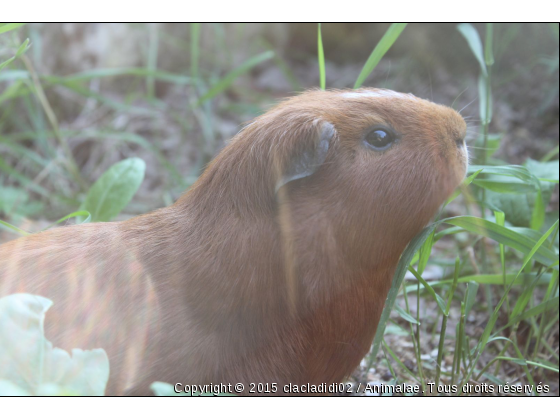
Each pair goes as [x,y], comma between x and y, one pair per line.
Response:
[380,138]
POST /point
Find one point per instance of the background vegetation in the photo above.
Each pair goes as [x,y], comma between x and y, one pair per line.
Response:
[104,121]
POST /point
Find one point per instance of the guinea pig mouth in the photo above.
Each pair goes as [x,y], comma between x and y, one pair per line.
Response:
[463,162]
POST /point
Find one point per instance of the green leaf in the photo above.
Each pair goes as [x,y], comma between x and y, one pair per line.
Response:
[229,78]
[515,190]
[379,51]
[30,364]
[471,35]
[503,186]
[548,170]
[405,315]
[515,171]
[114,189]
[439,300]
[504,236]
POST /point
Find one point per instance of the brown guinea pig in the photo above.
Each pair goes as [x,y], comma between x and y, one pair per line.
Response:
[274,267]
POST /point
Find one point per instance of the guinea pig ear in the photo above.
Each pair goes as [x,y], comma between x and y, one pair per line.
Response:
[308,157]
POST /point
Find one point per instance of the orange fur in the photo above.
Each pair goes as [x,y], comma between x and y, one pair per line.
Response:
[238,283]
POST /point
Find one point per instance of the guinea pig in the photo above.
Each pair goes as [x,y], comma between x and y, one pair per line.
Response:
[274,267]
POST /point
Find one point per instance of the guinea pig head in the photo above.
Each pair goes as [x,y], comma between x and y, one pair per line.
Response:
[348,177]
[376,163]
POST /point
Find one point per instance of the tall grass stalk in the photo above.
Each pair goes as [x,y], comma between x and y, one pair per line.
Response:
[321,58]
[444,322]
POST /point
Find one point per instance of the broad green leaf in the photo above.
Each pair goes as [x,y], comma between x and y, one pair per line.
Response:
[30,364]
[114,189]
[471,35]
[522,206]
[503,186]
[516,171]
[379,51]
[548,170]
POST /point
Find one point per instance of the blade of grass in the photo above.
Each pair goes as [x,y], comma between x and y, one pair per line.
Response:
[321,58]
[379,51]
[503,235]
[444,322]
[80,213]
[485,337]
[13,228]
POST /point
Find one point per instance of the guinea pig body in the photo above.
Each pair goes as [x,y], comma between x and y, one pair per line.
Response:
[274,267]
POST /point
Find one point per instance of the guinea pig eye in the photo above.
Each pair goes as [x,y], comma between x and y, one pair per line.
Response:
[380,138]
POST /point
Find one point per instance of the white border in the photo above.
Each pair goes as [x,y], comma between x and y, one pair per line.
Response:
[278,10]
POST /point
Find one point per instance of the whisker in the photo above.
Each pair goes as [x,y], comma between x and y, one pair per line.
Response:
[458,96]
[470,103]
